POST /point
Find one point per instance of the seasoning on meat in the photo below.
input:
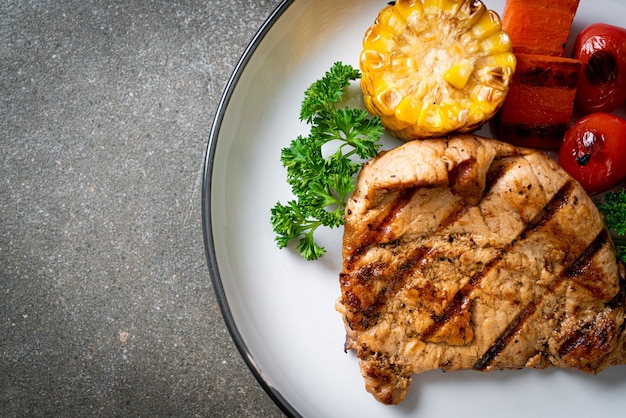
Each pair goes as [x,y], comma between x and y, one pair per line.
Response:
[468,253]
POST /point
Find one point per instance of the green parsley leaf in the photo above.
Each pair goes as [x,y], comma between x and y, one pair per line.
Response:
[613,207]
[322,95]
[321,184]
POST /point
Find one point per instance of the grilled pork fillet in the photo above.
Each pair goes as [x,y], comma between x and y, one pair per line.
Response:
[469,253]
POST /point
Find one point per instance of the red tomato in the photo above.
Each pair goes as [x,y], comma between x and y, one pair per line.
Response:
[602,80]
[594,151]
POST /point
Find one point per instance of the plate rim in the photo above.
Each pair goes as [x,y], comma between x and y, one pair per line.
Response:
[206,205]
[206,202]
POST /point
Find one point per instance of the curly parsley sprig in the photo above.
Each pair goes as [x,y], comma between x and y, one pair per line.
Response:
[613,207]
[321,184]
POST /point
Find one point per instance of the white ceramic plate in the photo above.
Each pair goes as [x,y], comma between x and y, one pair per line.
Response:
[280,308]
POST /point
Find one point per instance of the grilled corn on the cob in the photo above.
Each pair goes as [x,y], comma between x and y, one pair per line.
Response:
[431,67]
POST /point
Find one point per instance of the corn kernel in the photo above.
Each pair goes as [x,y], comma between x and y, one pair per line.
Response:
[390,17]
[450,6]
[410,9]
[488,24]
[403,66]
[407,111]
[470,12]
[458,75]
[431,119]
[504,59]
[387,100]
[373,61]
[378,38]
[436,7]
[497,43]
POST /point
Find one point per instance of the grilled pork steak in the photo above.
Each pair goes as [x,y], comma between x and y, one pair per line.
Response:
[469,253]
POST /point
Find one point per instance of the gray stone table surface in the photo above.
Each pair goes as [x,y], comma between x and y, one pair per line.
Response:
[106,303]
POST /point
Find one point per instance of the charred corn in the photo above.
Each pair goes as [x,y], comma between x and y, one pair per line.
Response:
[431,67]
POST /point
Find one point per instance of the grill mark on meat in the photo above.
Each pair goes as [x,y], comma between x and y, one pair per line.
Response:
[583,261]
[452,217]
[620,297]
[377,232]
[460,300]
[495,174]
[559,200]
[368,317]
[575,339]
[498,169]
[403,199]
[592,335]
[513,328]
[591,338]
[462,172]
